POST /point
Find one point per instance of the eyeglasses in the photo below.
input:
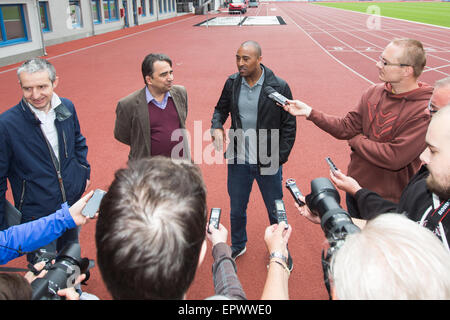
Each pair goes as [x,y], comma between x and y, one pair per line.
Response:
[385,63]
[432,108]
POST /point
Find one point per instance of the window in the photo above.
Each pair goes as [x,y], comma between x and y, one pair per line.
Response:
[110,10]
[12,24]
[144,8]
[75,13]
[160,6]
[174,6]
[43,8]
[152,9]
[96,12]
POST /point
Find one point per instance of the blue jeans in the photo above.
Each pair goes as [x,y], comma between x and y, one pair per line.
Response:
[240,181]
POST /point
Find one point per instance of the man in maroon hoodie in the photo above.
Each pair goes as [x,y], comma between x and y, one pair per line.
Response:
[386,130]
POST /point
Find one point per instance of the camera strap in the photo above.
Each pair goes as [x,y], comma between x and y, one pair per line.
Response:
[438,215]
[326,259]
[8,269]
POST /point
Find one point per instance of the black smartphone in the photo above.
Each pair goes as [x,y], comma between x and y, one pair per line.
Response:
[93,204]
[295,191]
[214,217]
[281,211]
[331,164]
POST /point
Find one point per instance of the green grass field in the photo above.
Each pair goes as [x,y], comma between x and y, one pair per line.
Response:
[437,13]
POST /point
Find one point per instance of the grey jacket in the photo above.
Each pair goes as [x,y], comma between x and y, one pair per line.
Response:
[132,125]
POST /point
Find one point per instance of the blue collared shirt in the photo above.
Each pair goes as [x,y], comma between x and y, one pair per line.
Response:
[161,104]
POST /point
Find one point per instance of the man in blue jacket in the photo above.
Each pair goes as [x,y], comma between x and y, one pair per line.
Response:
[43,153]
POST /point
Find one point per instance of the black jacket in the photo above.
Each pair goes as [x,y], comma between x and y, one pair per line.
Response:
[415,202]
[270,116]
[415,199]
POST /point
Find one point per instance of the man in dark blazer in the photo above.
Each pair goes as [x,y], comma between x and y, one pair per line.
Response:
[152,120]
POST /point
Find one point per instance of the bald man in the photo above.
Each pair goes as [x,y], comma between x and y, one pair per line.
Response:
[261,138]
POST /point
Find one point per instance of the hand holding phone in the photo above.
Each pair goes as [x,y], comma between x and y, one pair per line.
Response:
[332,166]
[214,218]
[281,212]
[93,204]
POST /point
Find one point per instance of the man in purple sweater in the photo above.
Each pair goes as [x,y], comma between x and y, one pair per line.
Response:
[152,120]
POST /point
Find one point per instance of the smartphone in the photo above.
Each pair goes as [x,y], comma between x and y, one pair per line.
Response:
[331,164]
[281,211]
[295,191]
[278,98]
[214,217]
[93,204]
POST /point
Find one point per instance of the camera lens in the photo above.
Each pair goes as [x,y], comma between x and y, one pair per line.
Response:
[324,201]
[323,197]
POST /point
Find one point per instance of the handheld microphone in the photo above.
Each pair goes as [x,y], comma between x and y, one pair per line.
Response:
[275,96]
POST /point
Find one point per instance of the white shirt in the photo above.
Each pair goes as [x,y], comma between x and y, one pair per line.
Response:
[48,123]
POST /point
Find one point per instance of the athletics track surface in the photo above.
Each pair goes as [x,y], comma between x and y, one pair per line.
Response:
[326,55]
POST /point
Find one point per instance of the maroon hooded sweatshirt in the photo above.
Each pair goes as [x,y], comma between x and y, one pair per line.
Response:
[386,133]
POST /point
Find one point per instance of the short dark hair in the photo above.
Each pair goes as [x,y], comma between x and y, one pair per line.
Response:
[151,228]
[14,287]
[149,60]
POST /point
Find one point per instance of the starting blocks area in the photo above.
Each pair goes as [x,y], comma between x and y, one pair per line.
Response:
[243,21]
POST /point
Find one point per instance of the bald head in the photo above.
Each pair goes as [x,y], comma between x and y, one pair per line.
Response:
[441,121]
[255,45]
[441,94]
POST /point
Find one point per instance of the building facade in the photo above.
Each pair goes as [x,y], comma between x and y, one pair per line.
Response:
[28,26]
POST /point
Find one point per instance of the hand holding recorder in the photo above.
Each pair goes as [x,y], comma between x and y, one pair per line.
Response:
[215,231]
[277,236]
[345,183]
[297,108]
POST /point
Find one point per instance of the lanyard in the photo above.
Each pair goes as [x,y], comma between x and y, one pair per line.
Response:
[438,214]
[432,218]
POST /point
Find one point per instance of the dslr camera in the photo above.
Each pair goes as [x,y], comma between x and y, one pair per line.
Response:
[60,275]
[336,223]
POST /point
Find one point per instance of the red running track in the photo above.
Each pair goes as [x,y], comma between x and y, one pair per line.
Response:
[326,55]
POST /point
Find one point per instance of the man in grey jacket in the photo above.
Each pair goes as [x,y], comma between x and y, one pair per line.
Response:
[152,120]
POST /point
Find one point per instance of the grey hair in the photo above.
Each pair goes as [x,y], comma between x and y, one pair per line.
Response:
[442,83]
[392,257]
[37,65]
